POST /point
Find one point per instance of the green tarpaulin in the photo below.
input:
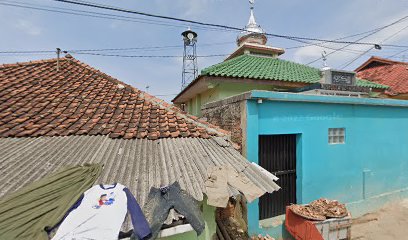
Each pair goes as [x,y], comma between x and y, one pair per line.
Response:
[25,213]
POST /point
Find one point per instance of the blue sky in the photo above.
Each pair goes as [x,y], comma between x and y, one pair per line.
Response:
[24,29]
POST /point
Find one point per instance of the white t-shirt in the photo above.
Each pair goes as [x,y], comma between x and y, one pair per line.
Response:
[99,216]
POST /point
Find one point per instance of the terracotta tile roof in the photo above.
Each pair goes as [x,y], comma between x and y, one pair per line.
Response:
[37,100]
[387,72]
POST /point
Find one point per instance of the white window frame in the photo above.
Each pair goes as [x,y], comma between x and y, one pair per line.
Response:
[336,136]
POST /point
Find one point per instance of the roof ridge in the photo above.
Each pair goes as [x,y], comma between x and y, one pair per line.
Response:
[17,64]
[381,60]
[388,60]
[265,57]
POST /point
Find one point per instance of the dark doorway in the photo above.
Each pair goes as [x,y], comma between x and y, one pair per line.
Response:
[277,154]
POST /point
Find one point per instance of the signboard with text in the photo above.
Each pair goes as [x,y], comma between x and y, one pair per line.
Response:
[342,78]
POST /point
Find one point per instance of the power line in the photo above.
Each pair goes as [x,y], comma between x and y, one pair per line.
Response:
[80,14]
[115,18]
[127,49]
[144,48]
[341,38]
[368,50]
[398,53]
[295,38]
[147,56]
[321,46]
[27,52]
[148,21]
[111,49]
[95,14]
[51,9]
[37,53]
[361,38]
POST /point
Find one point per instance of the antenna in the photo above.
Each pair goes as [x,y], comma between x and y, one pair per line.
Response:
[190,68]
[58,58]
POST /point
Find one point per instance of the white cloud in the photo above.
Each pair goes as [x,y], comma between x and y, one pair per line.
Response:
[28,27]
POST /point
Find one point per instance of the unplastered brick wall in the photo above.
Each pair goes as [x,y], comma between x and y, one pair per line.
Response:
[226,114]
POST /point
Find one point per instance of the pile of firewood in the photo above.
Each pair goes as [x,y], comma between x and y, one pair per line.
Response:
[320,209]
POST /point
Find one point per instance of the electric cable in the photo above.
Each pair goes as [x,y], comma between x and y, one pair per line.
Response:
[147,56]
[112,8]
[94,14]
[341,38]
[346,50]
[361,38]
[368,50]
[58,11]
[398,53]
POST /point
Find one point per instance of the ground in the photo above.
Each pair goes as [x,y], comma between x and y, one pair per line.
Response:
[390,222]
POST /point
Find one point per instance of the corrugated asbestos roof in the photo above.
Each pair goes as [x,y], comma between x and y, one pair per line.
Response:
[138,164]
[78,115]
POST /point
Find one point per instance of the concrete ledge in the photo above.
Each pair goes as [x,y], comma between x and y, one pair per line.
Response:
[298,97]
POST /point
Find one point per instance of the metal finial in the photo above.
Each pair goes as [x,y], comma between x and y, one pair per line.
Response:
[252,31]
[252,26]
[324,57]
[252,2]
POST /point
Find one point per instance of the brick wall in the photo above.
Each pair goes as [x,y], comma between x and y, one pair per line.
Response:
[227,115]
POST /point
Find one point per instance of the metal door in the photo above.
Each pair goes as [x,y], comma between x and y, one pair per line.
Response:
[277,154]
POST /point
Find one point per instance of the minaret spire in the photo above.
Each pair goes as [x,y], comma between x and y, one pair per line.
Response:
[252,31]
[252,26]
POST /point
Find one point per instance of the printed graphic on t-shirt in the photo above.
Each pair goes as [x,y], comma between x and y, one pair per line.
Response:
[105,200]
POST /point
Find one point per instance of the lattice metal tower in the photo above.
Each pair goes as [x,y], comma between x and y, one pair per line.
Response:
[190,68]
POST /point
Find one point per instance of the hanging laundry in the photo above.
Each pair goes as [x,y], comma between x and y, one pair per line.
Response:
[216,186]
[25,213]
[100,213]
[161,200]
[173,216]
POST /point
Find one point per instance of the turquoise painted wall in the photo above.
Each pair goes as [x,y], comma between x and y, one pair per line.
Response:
[366,171]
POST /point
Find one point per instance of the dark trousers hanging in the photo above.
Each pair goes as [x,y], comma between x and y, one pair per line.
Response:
[161,200]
